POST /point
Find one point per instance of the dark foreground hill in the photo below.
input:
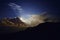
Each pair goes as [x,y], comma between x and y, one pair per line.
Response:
[45,27]
[42,31]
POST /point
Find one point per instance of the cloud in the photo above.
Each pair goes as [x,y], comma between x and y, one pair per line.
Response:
[35,19]
[16,8]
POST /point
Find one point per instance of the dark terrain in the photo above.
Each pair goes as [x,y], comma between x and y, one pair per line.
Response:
[42,31]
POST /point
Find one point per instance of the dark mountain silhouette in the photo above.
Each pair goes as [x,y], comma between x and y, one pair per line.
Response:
[16,20]
[41,31]
[45,27]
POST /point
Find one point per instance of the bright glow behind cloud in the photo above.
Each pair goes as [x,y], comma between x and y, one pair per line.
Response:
[33,19]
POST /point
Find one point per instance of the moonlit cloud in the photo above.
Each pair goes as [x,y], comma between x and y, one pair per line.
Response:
[16,8]
[33,19]
[36,19]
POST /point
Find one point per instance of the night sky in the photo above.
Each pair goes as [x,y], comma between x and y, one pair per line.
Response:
[45,30]
[30,7]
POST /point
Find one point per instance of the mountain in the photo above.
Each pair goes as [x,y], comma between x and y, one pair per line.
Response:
[16,25]
[16,22]
[42,31]
[11,25]
[45,27]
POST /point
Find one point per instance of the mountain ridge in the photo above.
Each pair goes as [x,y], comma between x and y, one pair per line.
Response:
[11,22]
